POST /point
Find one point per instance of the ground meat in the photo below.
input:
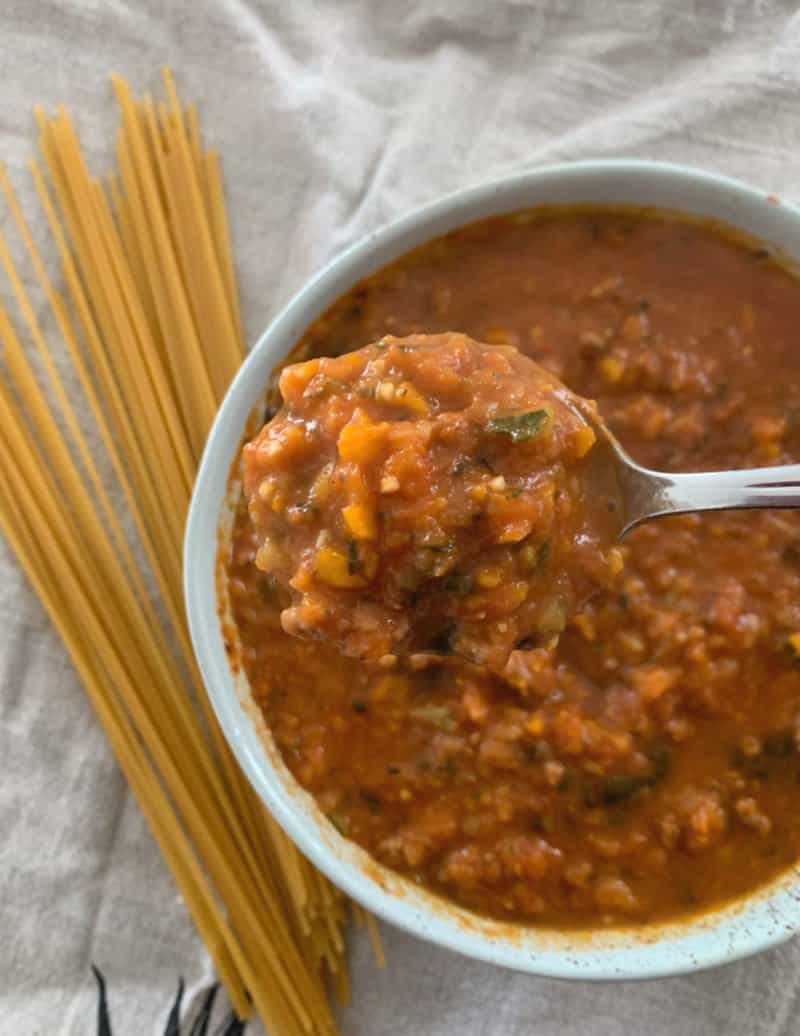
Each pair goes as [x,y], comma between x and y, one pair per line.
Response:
[703,819]
[751,816]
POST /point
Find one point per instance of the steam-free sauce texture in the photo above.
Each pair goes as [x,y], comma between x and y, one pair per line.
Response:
[648,767]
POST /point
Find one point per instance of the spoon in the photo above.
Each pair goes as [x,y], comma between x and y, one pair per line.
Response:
[642,494]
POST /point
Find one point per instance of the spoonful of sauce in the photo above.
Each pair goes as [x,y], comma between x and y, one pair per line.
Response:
[436,495]
[431,495]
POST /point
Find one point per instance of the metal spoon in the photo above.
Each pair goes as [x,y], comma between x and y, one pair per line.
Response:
[643,494]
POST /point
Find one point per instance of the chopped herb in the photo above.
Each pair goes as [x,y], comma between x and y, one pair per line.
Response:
[754,766]
[460,466]
[325,386]
[761,253]
[340,822]
[542,825]
[457,582]
[791,554]
[543,554]
[441,643]
[267,587]
[779,744]
[568,780]
[437,715]
[621,787]
[520,427]
[526,644]
[449,767]
[353,558]
[660,758]
[623,601]
[374,804]
[553,618]
[777,747]
[393,770]
[435,560]
[360,706]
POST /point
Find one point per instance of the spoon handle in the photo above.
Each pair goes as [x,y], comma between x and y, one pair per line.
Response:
[653,494]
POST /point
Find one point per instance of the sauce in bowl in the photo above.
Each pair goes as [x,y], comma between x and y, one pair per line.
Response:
[646,768]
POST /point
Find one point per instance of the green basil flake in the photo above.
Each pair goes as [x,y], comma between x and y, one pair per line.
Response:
[374,804]
[526,644]
[457,583]
[520,427]
[779,744]
[791,553]
[660,761]
[340,822]
[621,787]
[353,558]
[437,715]
[323,385]
[442,642]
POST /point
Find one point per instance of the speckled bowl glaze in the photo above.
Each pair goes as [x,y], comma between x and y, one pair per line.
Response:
[764,919]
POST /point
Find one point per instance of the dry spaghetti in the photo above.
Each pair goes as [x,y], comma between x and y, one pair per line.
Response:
[151,324]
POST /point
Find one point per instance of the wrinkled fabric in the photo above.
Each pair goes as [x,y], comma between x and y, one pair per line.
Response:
[333,118]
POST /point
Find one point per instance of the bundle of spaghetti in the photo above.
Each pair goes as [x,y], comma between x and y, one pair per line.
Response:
[151,325]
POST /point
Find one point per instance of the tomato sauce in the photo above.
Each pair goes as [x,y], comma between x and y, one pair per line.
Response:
[647,767]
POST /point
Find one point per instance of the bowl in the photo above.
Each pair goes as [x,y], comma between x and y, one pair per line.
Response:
[765,918]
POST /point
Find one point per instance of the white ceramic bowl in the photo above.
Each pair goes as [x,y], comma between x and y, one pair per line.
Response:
[764,919]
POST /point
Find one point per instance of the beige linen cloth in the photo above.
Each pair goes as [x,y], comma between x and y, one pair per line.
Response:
[333,118]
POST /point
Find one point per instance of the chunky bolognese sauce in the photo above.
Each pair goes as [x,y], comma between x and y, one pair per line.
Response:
[647,767]
[430,494]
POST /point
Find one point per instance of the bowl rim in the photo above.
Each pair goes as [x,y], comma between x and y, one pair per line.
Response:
[768,916]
